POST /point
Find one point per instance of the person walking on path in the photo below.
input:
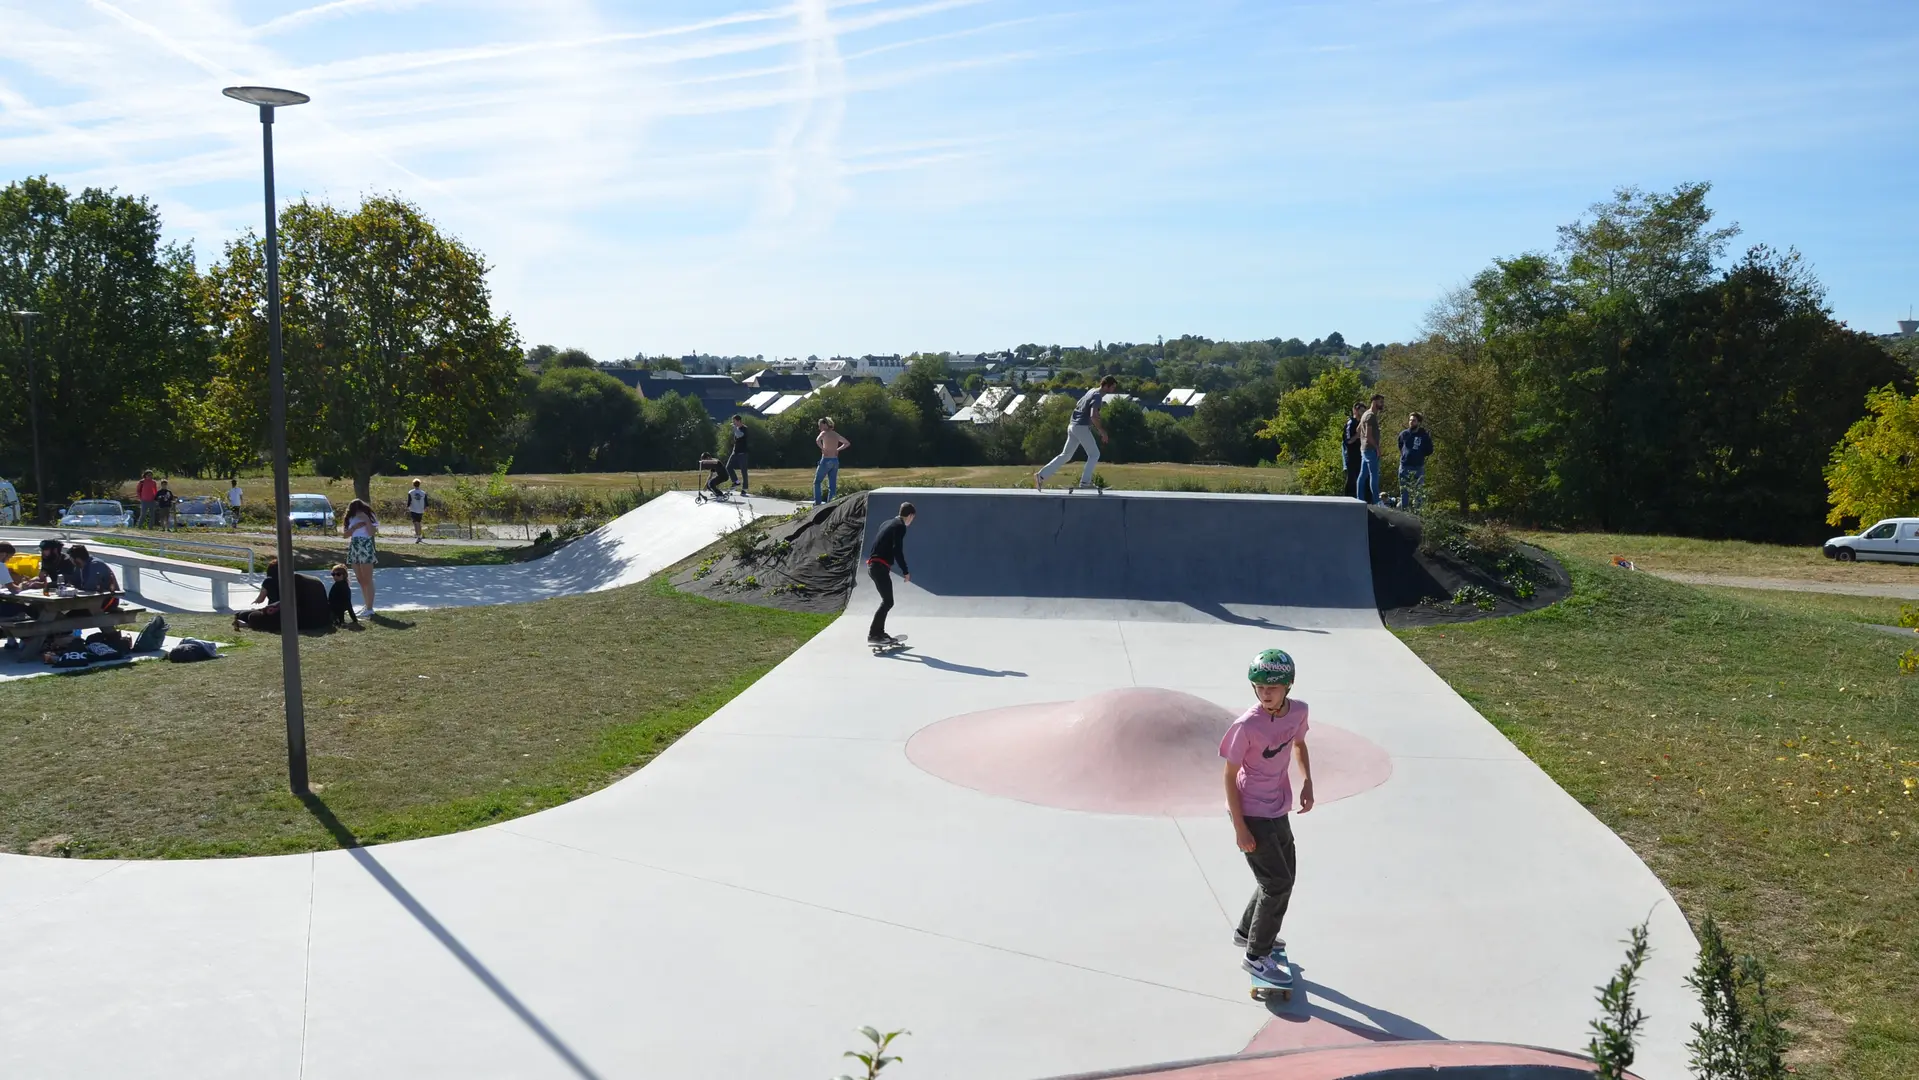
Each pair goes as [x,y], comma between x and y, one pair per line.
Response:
[1080,432]
[830,442]
[233,499]
[360,528]
[1349,448]
[889,550]
[1415,446]
[1369,450]
[163,501]
[736,460]
[145,491]
[416,509]
[1259,749]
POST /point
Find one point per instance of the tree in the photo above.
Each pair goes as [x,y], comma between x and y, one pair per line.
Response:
[1308,424]
[118,341]
[573,358]
[1454,379]
[1874,471]
[580,420]
[674,432]
[391,341]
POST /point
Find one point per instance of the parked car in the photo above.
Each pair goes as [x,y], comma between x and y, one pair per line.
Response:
[95,514]
[310,511]
[1892,540]
[204,510]
[9,504]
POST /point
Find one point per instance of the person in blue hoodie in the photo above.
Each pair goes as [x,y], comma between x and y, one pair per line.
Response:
[1415,446]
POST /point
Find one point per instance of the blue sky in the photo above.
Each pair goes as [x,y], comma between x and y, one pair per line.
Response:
[846,176]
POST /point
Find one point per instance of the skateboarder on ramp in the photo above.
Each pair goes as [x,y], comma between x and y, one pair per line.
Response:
[889,549]
[1079,435]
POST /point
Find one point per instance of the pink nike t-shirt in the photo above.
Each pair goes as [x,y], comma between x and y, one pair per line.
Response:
[1261,744]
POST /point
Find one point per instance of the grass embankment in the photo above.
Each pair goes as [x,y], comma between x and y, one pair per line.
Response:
[419,724]
[1760,755]
[1685,555]
[1151,477]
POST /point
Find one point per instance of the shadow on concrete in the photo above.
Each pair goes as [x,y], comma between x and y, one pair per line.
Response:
[1378,1023]
[937,664]
[324,815]
[1220,612]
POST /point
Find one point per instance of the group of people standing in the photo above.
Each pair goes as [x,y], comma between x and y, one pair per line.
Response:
[157,499]
[1360,439]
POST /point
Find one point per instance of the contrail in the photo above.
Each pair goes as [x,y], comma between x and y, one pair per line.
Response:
[803,150]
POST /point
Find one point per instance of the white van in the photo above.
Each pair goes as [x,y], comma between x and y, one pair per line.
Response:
[1892,540]
[9,504]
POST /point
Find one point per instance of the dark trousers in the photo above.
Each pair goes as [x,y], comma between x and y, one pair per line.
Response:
[1352,472]
[882,576]
[736,469]
[1273,869]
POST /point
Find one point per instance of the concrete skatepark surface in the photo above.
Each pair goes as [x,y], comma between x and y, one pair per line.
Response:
[784,874]
[625,551]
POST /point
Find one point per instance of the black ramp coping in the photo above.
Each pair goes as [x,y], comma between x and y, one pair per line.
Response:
[1191,548]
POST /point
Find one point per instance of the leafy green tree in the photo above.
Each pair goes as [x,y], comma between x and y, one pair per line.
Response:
[1169,438]
[1046,421]
[581,420]
[1454,379]
[1308,424]
[117,344]
[1129,438]
[391,341]
[674,432]
[1874,471]
[573,358]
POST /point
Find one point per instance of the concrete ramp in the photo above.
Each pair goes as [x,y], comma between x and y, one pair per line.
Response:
[1139,554]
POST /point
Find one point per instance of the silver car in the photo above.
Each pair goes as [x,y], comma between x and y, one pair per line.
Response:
[202,510]
[310,512]
[96,514]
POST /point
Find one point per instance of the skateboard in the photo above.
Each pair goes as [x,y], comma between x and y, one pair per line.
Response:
[883,648]
[1266,990]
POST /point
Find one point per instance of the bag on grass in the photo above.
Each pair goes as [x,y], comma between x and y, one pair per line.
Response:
[152,635]
[191,650]
[120,641]
[71,658]
[101,650]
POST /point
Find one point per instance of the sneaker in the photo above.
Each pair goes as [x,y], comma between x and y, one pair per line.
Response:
[366,612]
[1267,969]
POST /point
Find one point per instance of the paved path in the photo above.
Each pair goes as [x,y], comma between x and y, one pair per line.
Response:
[629,549]
[1732,581]
[784,874]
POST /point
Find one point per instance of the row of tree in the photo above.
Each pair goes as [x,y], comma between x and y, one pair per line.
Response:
[1626,382]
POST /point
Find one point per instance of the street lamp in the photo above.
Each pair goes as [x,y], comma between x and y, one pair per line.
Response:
[33,408]
[268,99]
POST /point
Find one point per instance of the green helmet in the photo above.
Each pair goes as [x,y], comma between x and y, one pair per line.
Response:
[1271,668]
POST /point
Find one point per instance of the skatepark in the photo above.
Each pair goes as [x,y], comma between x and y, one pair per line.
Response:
[1000,839]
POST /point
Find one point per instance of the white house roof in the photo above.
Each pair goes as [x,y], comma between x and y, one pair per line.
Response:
[785,402]
[762,399]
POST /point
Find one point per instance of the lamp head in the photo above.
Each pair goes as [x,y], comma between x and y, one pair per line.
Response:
[267,97]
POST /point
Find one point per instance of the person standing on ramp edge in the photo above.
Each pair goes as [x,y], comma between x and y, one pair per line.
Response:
[1079,435]
[1259,750]
[889,550]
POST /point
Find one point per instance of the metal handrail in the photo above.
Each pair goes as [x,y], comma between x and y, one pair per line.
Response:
[168,545]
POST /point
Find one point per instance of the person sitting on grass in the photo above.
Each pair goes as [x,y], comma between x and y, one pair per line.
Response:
[310,597]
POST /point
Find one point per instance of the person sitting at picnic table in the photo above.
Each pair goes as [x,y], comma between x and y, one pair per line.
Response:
[55,567]
[92,576]
[15,579]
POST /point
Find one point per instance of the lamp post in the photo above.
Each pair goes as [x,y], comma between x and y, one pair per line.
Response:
[268,99]
[33,408]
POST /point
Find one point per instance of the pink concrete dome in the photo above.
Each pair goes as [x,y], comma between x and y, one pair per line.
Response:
[1138,750]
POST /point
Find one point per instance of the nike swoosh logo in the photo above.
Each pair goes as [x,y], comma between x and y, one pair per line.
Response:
[1273,753]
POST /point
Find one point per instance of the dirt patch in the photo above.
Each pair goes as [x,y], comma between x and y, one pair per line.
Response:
[1416,581]
[803,563]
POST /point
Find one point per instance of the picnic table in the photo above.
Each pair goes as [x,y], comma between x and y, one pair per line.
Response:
[52,615]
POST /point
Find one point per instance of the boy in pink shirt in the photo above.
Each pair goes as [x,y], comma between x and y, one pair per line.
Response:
[1259,749]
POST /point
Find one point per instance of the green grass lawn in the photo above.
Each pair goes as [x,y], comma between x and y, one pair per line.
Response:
[1761,754]
[1864,609]
[1681,554]
[421,723]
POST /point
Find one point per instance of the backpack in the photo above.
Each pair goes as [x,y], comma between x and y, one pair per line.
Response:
[152,635]
[71,658]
